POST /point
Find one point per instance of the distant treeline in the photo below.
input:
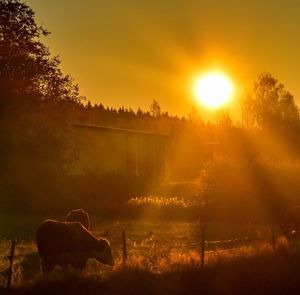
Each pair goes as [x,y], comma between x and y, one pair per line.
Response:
[143,120]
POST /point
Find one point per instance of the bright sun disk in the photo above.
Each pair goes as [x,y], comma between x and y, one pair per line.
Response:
[213,90]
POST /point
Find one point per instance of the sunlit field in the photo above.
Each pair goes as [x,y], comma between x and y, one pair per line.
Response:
[152,247]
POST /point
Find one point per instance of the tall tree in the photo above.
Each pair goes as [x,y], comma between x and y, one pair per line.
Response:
[155,109]
[36,102]
[26,66]
[269,105]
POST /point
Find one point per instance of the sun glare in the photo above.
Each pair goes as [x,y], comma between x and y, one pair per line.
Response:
[213,90]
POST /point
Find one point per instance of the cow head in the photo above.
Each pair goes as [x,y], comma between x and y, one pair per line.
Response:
[103,252]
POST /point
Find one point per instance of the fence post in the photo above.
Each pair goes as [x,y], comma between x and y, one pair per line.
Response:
[273,240]
[202,247]
[11,262]
[124,248]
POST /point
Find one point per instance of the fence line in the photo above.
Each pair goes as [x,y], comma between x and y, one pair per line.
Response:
[202,247]
[11,262]
[211,243]
[203,244]
[124,248]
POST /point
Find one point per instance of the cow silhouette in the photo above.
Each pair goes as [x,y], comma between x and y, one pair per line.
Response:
[69,244]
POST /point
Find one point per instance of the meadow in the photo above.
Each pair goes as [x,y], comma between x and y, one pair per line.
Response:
[153,248]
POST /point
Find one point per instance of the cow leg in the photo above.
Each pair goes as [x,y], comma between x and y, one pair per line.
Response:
[81,262]
[78,263]
[47,267]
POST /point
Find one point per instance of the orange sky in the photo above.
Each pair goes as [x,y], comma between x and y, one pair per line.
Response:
[127,53]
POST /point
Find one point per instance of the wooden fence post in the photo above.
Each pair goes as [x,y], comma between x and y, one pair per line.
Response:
[202,247]
[273,239]
[11,262]
[124,248]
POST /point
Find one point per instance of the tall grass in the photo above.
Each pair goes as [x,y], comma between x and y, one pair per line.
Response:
[165,257]
[259,269]
[155,259]
[166,207]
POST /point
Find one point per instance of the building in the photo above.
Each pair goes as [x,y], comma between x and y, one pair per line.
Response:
[103,149]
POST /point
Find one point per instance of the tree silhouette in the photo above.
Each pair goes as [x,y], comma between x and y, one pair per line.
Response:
[36,103]
[155,108]
[26,66]
[269,105]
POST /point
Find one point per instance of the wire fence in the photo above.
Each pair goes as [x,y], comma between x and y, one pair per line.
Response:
[128,246]
[208,246]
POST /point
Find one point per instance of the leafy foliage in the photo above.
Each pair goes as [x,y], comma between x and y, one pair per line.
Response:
[36,100]
[26,66]
[269,105]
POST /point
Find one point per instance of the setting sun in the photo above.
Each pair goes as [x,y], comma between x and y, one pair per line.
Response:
[213,90]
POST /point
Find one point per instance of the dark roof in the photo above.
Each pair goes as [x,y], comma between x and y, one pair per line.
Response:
[115,129]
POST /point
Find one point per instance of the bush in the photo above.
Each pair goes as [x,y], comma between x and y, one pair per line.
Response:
[250,190]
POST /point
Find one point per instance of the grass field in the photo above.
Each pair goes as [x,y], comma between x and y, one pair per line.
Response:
[257,269]
[154,247]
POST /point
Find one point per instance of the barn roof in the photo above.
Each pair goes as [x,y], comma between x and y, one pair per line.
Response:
[115,129]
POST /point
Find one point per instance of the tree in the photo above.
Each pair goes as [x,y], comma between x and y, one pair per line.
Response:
[155,109]
[26,66]
[194,116]
[269,105]
[36,104]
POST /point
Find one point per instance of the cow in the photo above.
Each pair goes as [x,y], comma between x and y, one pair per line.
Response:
[69,244]
[79,215]
[291,222]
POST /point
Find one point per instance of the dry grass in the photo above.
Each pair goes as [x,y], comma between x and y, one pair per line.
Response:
[162,259]
[159,202]
[258,269]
